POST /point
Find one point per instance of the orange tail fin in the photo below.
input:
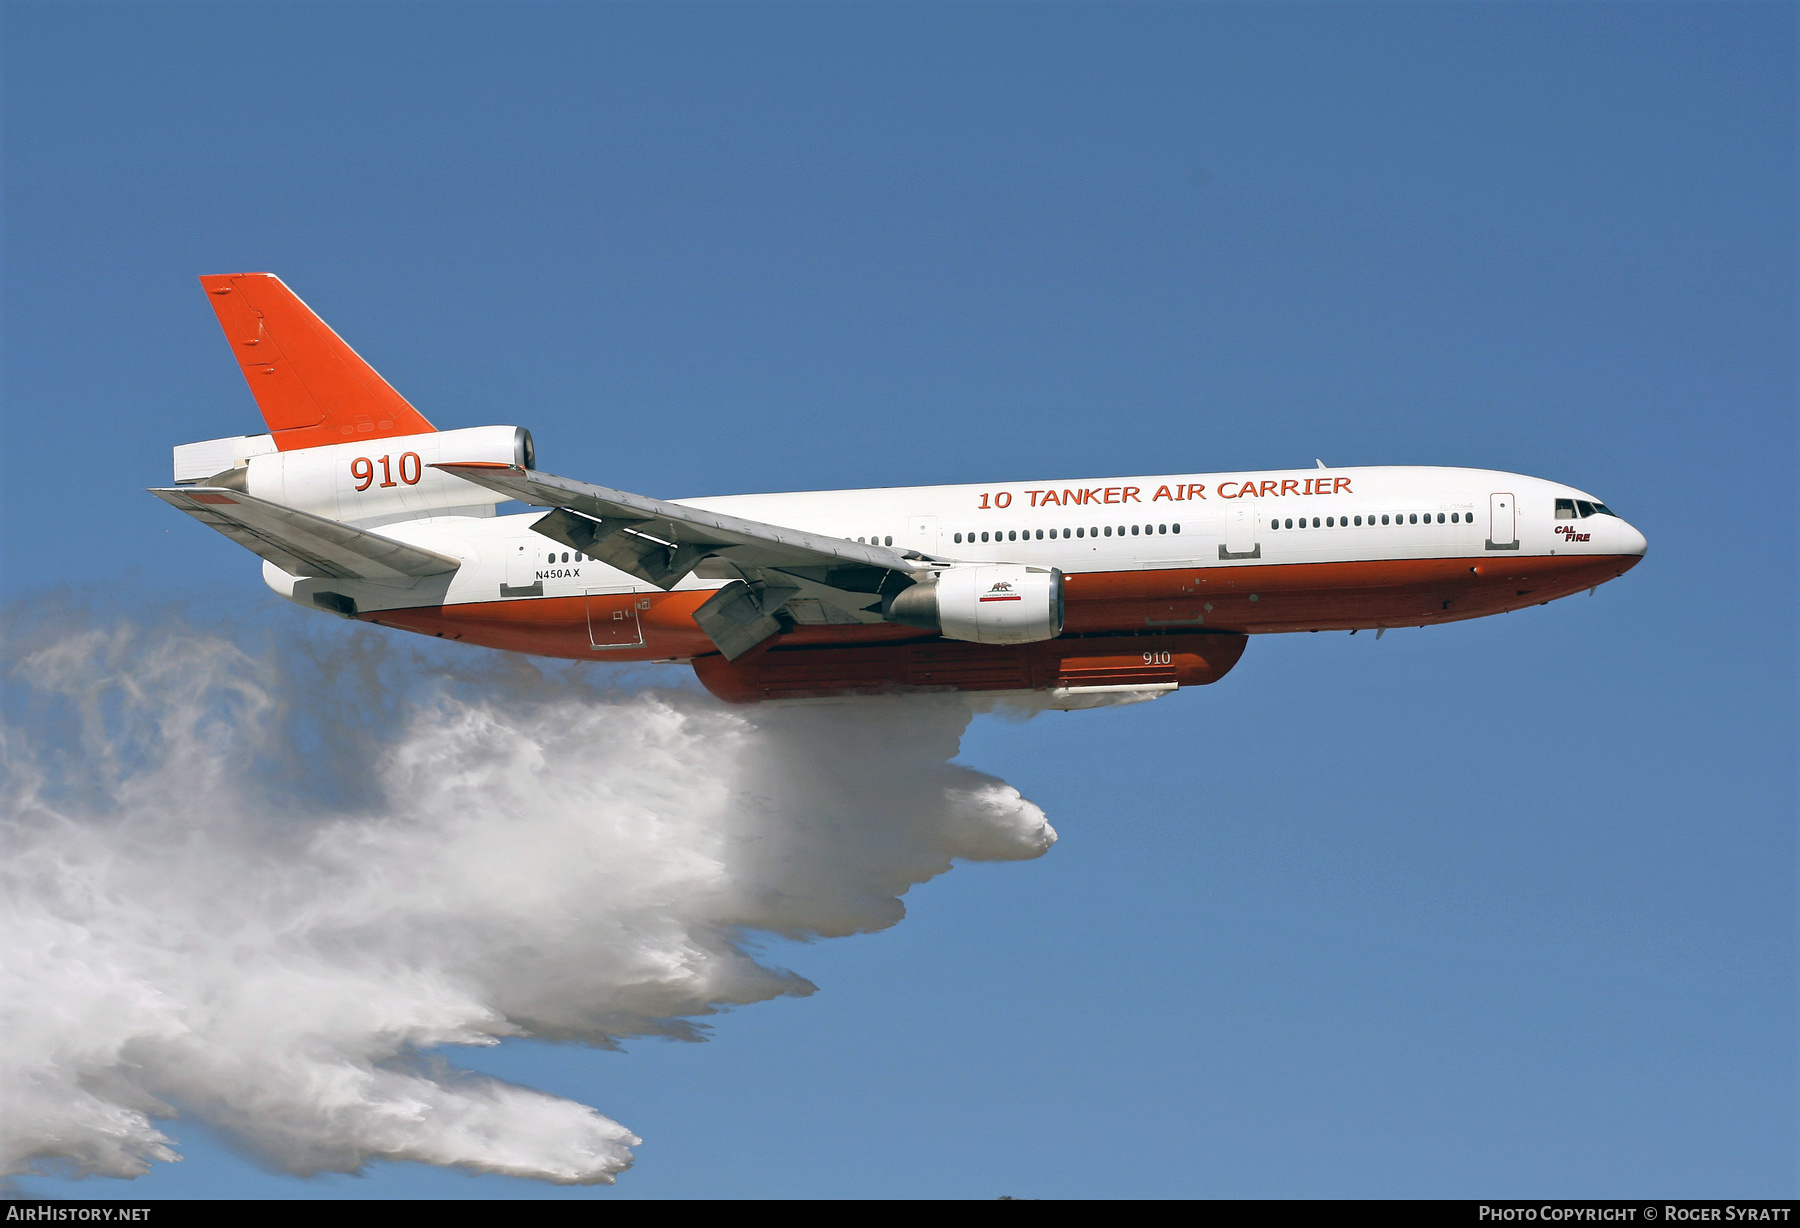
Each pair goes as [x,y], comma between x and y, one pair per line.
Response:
[311,387]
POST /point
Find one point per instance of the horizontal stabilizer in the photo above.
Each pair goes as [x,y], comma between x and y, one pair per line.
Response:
[303,544]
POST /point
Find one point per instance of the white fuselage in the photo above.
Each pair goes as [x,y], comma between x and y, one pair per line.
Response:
[1196,520]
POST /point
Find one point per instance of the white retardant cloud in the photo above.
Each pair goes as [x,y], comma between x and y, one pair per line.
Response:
[259,886]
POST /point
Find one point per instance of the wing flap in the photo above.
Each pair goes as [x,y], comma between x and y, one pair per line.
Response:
[648,558]
[303,544]
[740,616]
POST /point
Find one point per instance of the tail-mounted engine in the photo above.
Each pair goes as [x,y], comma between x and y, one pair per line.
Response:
[999,603]
[372,480]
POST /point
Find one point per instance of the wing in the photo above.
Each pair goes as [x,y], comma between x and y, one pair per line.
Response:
[694,533]
[302,544]
[662,543]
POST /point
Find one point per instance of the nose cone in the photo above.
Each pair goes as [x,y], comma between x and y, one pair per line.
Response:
[1631,541]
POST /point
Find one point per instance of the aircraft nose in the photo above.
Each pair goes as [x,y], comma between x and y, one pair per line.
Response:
[1634,541]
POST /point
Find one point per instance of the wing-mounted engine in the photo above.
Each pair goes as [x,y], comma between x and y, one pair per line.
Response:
[997,603]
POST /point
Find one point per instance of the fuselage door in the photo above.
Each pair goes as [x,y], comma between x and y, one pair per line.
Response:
[524,556]
[1240,532]
[612,617]
[922,533]
[1503,523]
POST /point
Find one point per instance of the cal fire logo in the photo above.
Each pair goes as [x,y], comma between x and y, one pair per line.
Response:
[1002,591]
[1570,534]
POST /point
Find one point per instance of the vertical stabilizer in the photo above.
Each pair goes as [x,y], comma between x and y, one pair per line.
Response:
[311,387]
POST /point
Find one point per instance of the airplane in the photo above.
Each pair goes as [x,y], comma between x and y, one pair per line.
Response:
[1089,593]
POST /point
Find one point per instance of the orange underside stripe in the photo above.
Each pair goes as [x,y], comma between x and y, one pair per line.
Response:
[1252,600]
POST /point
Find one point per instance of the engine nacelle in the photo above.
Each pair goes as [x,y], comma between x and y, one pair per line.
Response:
[997,603]
[368,481]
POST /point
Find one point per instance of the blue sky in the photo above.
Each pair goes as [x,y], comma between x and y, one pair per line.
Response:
[1501,908]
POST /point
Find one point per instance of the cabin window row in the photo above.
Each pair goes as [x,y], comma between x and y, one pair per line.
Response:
[1344,522]
[1148,530]
[1013,535]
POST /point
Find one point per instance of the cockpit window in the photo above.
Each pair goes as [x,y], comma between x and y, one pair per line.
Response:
[1570,509]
